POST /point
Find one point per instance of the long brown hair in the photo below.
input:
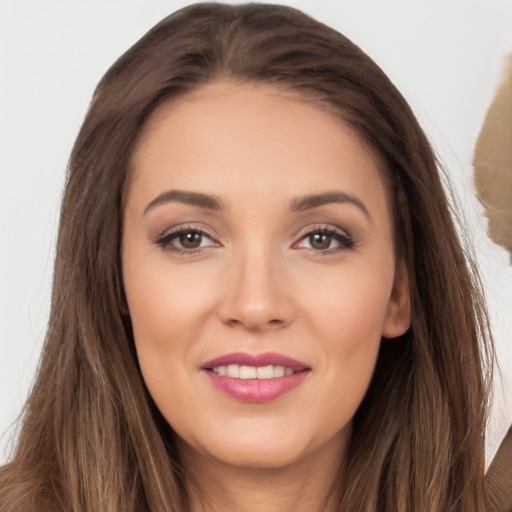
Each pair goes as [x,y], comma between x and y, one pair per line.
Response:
[92,438]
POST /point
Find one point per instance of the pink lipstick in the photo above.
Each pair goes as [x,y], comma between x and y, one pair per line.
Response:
[255,378]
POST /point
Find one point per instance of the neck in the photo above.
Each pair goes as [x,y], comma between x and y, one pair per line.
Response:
[309,485]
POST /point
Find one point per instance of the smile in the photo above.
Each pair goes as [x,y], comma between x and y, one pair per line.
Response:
[255,378]
[253,372]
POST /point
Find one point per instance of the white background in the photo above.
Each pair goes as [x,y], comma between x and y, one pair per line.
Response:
[446,56]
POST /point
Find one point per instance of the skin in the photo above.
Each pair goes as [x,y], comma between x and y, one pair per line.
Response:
[259,281]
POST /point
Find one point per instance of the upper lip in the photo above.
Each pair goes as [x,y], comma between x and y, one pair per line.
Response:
[263,359]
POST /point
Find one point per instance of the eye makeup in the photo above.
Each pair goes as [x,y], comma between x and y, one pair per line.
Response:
[186,240]
[318,239]
[324,240]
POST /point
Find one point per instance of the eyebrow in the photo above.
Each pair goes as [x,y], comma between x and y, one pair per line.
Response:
[213,203]
[316,200]
[182,196]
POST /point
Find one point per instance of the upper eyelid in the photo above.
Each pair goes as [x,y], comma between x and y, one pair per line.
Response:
[301,233]
[185,228]
[342,235]
[209,233]
[166,241]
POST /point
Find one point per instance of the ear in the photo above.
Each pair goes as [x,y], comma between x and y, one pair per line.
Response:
[398,313]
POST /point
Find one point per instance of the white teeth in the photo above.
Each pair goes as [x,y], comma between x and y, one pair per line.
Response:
[278,371]
[265,372]
[253,372]
[247,372]
[233,370]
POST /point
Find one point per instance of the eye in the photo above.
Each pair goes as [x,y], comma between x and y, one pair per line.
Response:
[325,240]
[320,241]
[191,239]
[186,240]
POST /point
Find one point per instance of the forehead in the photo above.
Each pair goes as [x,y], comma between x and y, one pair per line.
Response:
[250,138]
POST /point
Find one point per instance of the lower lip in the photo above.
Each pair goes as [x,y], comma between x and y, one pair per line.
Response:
[256,390]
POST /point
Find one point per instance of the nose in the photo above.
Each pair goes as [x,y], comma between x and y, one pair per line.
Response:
[256,295]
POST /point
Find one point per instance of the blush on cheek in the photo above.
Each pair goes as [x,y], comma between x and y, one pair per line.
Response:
[161,304]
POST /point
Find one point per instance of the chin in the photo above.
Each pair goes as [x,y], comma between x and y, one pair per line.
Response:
[258,456]
[265,447]
[255,457]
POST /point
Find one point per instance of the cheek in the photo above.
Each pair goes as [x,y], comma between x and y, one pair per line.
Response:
[348,306]
[166,305]
[348,321]
[166,310]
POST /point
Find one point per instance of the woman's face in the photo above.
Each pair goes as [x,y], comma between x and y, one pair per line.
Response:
[260,273]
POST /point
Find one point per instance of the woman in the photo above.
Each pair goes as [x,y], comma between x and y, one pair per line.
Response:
[260,300]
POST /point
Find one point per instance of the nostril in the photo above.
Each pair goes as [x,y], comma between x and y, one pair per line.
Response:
[253,325]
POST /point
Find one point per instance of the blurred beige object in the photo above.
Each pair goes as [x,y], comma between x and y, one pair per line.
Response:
[493,163]
[498,480]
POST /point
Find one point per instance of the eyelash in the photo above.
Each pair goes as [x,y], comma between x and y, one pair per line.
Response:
[165,241]
[344,239]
